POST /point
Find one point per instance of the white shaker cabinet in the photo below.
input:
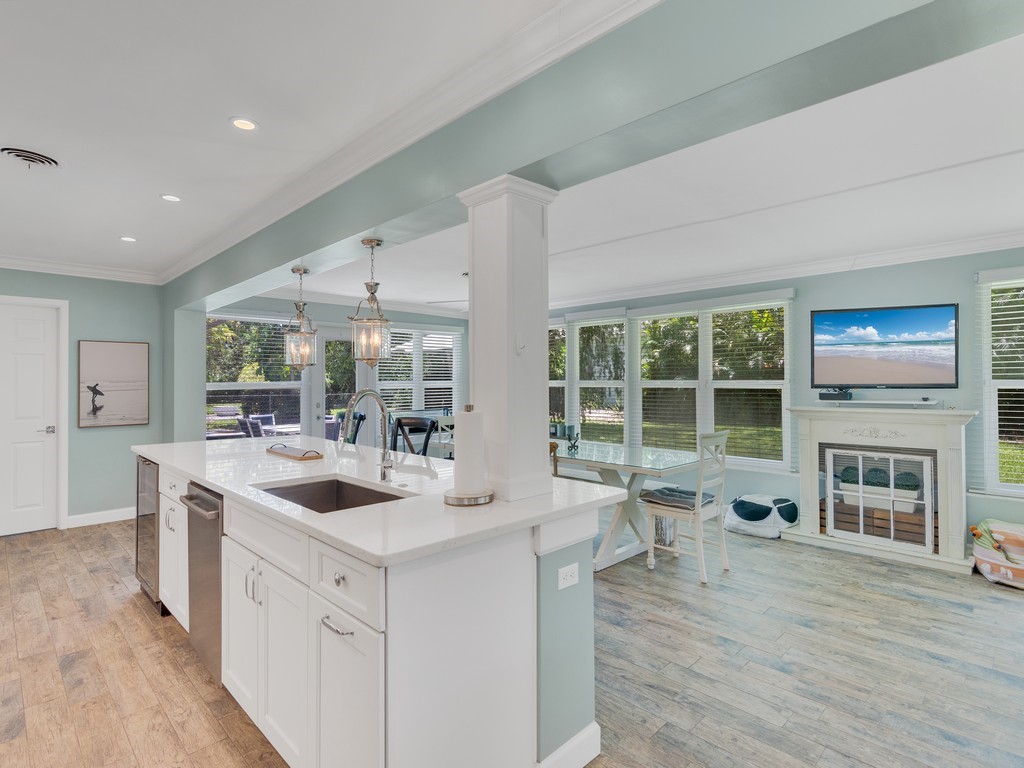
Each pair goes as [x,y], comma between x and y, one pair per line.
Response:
[173,581]
[239,629]
[346,688]
[265,647]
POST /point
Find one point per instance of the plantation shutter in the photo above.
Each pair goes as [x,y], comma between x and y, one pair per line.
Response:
[395,380]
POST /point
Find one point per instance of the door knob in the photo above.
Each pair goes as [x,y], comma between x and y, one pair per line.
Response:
[49,430]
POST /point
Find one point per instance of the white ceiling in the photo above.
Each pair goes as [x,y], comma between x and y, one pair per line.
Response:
[133,99]
[926,165]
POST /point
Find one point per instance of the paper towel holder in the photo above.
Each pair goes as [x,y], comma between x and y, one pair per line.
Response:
[453,499]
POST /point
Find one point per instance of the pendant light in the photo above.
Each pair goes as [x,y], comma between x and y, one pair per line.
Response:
[371,336]
[300,335]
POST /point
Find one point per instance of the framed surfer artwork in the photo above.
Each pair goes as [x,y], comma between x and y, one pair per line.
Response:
[113,383]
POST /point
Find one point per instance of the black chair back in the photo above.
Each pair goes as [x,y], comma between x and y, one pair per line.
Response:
[357,419]
[255,427]
[412,425]
[331,429]
[243,426]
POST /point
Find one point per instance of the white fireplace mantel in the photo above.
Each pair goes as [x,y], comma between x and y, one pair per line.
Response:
[889,429]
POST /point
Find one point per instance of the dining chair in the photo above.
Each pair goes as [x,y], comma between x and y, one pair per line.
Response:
[412,425]
[331,429]
[693,507]
[255,427]
[357,418]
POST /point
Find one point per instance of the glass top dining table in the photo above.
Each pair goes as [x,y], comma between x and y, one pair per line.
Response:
[625,467]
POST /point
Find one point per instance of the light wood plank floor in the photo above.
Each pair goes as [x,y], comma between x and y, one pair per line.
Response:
[800,656]
[91,676]
[878,665]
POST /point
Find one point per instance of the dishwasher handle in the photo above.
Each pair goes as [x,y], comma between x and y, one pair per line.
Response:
[190,500]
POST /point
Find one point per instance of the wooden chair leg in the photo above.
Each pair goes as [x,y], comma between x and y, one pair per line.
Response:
[698,530]
[650,540]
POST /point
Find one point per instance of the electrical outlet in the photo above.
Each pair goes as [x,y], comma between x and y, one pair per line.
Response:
[568,575]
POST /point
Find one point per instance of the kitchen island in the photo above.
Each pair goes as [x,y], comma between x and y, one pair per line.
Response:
[406,633]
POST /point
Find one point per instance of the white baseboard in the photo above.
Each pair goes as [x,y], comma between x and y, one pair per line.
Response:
[577,751]
[103,516]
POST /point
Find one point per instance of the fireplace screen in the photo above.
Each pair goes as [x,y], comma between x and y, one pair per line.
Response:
[880,497]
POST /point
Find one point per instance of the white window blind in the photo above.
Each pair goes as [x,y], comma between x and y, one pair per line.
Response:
[601,382]
[556,373]
[748,379]
[1002,328]
[669,369]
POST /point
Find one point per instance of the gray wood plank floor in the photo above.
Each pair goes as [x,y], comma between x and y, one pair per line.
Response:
[796,657]
[801,656]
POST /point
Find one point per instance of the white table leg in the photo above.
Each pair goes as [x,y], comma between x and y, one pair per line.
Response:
[627,511]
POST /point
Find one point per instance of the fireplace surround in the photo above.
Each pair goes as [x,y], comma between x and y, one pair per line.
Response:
[888,431]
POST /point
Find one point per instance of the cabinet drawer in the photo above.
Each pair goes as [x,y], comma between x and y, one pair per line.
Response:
[172,484]
[281,544]
[348,582]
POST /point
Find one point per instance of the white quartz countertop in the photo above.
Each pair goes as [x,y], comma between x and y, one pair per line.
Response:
[380,534]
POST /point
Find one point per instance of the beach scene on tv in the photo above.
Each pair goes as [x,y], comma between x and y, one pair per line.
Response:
[894,347]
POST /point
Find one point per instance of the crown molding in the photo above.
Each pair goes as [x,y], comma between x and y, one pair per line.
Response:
[569,26]
[70,269]
[975,245]
[312,297]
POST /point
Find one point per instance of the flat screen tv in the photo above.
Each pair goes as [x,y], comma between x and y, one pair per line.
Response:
[885,347]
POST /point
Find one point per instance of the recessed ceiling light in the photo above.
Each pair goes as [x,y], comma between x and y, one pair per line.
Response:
[244,123]
[128,239]
[171,198]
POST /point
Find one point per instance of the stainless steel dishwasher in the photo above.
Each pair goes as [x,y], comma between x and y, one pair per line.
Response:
[205,526]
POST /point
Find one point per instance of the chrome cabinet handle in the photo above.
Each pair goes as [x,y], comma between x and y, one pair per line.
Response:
[254,584]
[338,578]
[172,485]
[326,621]
[247,584]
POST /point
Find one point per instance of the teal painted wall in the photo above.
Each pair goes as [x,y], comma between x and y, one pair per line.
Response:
[565,648]
[101,468]
[930,282]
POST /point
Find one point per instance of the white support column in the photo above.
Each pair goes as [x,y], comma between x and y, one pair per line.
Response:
[508,331]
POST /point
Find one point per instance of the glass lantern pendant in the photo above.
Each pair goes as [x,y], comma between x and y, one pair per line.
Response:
[371,335]
[300,335]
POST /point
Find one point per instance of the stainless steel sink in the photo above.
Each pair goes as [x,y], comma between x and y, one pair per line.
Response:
[330,495]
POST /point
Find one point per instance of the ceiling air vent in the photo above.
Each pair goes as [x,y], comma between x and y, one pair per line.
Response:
[28,156]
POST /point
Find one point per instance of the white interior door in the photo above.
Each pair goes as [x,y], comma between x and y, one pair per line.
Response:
[28,409]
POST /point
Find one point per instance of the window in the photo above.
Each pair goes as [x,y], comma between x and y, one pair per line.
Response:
[748,373]
[602,373]
[658,379]
[246,374]
[1003,326]
[556,374]
[669,365]
[339,375]
[422,372]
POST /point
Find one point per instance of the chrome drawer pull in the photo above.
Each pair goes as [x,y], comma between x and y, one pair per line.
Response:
[326,621]
[338,578]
